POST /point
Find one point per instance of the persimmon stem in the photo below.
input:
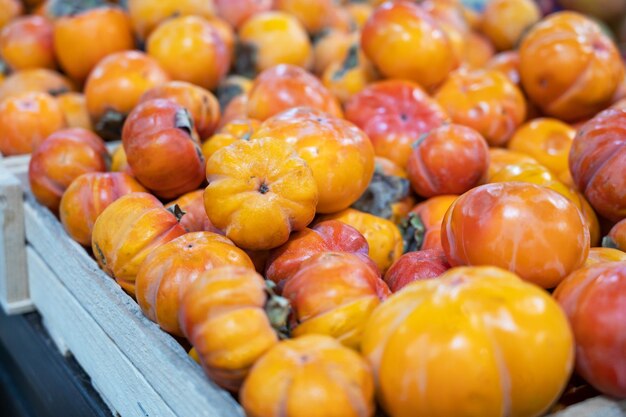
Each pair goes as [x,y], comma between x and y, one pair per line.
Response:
[176,211]
[277,309]
[413,231]
[382,192]
[608,242]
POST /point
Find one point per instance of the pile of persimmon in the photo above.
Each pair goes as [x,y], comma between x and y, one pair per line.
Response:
[417,208]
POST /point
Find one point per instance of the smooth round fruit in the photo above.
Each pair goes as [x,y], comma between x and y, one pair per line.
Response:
[421,228]
[394,114]
[601,255]
[74,107]
[416,266]
[505,21]
[9,10]
[530,230]
[450,159]
[195,218]
[236,12]
[283,379]
[190,49]
[616,237]
[403,41]
[27,43]
[569,68]
[35,81]
[87,196]
[231,132]
[510,341]
[593,299]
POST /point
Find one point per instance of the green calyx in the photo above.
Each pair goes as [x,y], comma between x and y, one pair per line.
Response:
[413,230]
[277,309]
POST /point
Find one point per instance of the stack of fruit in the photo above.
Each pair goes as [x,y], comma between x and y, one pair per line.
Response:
[342,205]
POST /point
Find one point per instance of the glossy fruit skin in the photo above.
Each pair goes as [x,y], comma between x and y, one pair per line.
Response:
[74,107]
[422,227]
[339,154]
[525,228]
[547,140]
[505,21]
[162,148]
[190,49]
[507,63]
[382,235]
[617,236]
[195,218]
[119,163]
[394,114]
[26,121]
[282,380]
[87,196]
[350,75]
[64,155]
[334,293]
[602,255]
[416,266]
[9,10]
[500,158]
[282,87]
[423,54]
[146,15]
[238,129]
[81,41]
[27,43]
[169,271]
[484,100]
[223,316]
[271,38]
[236,12]
[327,236]
[597,163]
[315,15]
[593,299]
[450,159]
[568,67]
[127,231]
[331,46]
[259,192]
[201,104]
[456,323]
[34,80]
[478,50]
[117,83]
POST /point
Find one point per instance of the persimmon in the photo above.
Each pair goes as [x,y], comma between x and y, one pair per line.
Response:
[423,54]
[568,67]
[87,196]
[499,158]
[421,228]
[339,154]
[199,102]
[190,49]
[416,266]
[271,38]
[251,182]
[283,379]
[236,12]
[64,156]
[239,129]
[505,21]
[119,162]
[9,10]
[450,159]
[146,15]
[359,13]
[327,236]
[82,39]
[484,100]
[334,293]
[236,109]
[232,319]
[525,228]
[26,43]
[349,76]
[285,86]
[478,50]
[231,87]
[169,270]
[195,218]
[597,162]
[35,81]
[116,85]
[388,194]
[507,63]
[331,46]
[531,352]
[394,114]
[602,254]
[616,237]
[27,120]
[314,15]
[593,299]
[162,148]
[382,235]
[127,231]
[74,108]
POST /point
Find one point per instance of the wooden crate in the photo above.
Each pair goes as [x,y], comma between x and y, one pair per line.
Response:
[138,369]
